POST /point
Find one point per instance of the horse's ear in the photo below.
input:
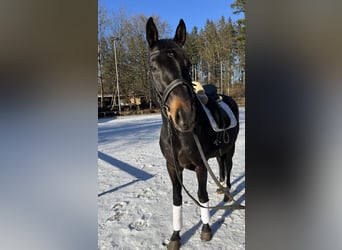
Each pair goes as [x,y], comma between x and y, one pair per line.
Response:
[151,33]
[180,35]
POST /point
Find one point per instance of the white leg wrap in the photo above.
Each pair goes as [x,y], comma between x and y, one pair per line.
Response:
[205,216]
[177,218]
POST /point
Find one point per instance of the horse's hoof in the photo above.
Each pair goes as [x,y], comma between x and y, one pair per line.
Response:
[227,199]
[174,243]
[206,233]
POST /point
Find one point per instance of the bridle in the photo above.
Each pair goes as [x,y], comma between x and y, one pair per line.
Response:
[162,100]
[163,97]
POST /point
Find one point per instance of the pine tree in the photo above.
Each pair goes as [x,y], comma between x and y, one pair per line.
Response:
[240,40]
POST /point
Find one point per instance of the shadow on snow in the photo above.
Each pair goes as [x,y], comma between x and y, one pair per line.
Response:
[136,172]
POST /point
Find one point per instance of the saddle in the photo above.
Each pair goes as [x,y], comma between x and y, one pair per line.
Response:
[220,115]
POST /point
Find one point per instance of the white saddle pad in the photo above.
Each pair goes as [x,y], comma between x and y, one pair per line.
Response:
[229,112]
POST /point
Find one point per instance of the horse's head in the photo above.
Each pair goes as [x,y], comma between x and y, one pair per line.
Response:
[169,71]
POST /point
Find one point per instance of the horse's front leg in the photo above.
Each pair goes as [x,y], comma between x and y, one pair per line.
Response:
[202,176]
[177,217]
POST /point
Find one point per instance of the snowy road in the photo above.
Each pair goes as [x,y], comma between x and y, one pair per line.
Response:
[134,191]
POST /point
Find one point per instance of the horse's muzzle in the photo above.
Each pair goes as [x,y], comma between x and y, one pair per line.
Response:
[183,121]
[183,114]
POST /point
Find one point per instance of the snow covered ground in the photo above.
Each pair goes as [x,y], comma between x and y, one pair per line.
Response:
[135,193]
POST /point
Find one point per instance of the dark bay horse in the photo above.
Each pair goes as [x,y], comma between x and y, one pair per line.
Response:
[183,116]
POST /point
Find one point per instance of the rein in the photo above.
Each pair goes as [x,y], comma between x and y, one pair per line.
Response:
[176,165]
[225,190]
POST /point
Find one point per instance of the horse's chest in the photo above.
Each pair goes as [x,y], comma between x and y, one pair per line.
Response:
[189,158]
[184,151]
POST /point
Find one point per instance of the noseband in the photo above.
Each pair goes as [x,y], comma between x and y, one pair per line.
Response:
[172,86]
[163,98]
